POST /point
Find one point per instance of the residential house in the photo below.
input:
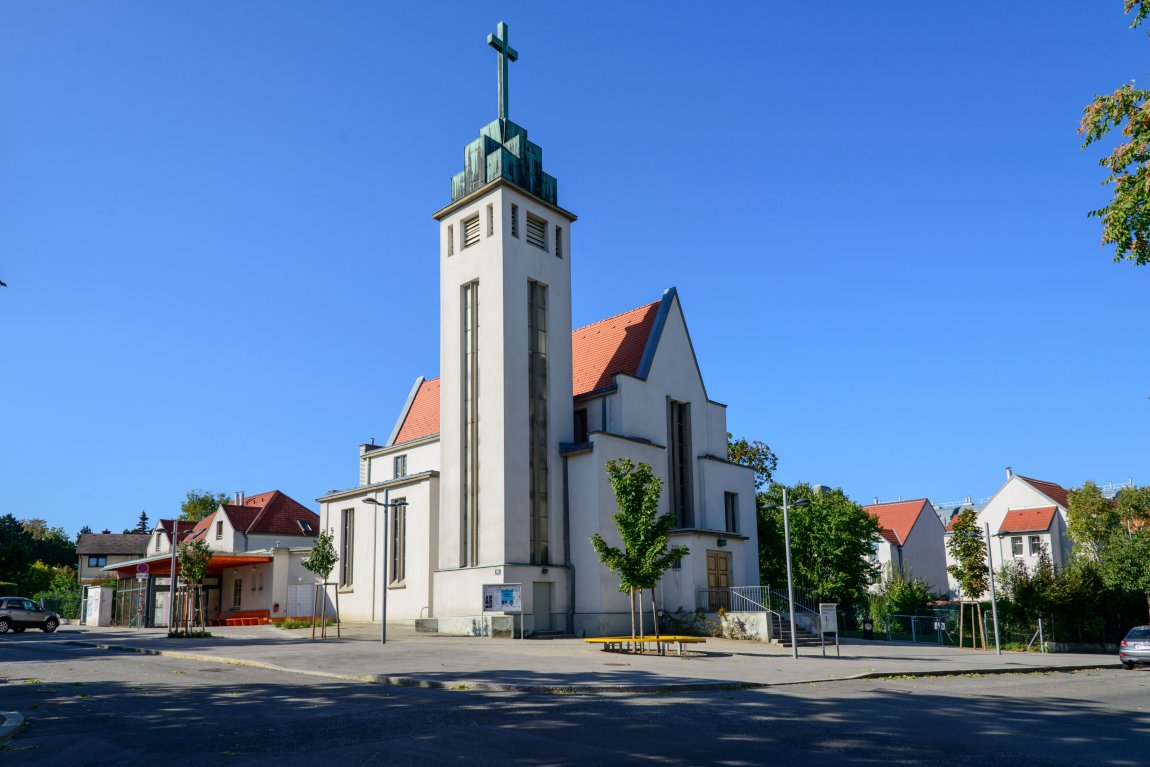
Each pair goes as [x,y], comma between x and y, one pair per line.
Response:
[95,551]
[912,540]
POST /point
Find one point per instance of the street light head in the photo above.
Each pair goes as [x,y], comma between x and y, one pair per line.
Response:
[772,507]
[372,501]
[801,502]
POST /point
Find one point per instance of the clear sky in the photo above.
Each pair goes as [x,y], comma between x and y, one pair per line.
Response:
[222,266]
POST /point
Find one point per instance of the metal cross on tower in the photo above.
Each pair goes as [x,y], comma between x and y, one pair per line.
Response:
[498,41]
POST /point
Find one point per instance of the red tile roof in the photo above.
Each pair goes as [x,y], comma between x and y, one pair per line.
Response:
[271,513]
[423,416]
[610,346]
[896,518]
[1054,492]
[1027,520]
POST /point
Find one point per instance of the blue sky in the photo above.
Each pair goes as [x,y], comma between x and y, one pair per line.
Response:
[222,265]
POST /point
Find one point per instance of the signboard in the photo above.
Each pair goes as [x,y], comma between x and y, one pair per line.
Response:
[503,597]
[828,611]
[142,568]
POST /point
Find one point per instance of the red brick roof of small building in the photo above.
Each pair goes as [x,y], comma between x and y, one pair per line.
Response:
[896,518]
[599,351]
[271,513]
[1054,492]
[1028,520]
[423,416]
[615,345]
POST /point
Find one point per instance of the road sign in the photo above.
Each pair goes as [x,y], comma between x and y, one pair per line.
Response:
[142,568]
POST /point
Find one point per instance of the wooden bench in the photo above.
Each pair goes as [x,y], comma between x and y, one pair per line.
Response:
[245,618]
[615,644]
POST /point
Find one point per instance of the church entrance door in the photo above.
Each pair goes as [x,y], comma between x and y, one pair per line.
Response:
[718,580]
[541,604]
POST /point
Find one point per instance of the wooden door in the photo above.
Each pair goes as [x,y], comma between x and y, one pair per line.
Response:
[718,580]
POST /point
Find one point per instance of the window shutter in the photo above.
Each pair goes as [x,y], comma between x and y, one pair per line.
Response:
[537,231]
[471,231]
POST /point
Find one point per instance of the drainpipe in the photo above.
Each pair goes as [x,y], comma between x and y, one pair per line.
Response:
[567,551]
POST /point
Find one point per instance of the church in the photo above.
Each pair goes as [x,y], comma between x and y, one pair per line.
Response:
[495,471]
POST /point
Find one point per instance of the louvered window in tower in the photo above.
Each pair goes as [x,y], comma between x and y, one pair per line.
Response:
[537,231]
[471,231]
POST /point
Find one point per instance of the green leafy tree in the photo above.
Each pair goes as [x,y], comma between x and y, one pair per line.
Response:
[85,530]
[37,578]
[968,549]
[322,558]
[194,557]
[900,592]
[1091,520]
[1134,508]
[1126,219]
[755,455]
[142,524]
[645,533]
[16,550]
[1126,565]
[832,541]
[200,503]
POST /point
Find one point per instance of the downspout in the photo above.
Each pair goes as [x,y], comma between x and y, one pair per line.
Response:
[567,552]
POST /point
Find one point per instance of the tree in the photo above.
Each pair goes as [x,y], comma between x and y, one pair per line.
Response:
[201,503]
[15,549]
[832,541]
[755,455]
[194,556]
[85,530]
[645,555]
[1091,520]
[1127,563]
[968,549]
[1134,508]
[1126,219]
[142,525]
[321,560]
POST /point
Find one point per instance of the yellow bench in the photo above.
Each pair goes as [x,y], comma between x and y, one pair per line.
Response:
[615,644]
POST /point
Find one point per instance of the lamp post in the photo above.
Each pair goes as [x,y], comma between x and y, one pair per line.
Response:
[383,506]
[993,595]
[790,577]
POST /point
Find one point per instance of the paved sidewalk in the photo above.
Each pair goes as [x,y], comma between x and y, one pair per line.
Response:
[432,660]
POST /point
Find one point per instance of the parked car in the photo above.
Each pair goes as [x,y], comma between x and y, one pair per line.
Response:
[1135,648]
[19,614]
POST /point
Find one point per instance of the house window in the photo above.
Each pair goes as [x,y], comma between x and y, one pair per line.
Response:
[451,240]
[304,526]
[471,231]
[1016,546]
[469,452]
[219,530]
[1035,545]
[581,434]
[731,511]
[237,592]
[400,466]
[490,220]
[537,417]
[157,543]
[559,242]
[399,542]
[679,441]
[514,220]
[537,231]
[97,561]
[346,547]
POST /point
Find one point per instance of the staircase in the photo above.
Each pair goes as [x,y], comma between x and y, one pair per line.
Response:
[783,632]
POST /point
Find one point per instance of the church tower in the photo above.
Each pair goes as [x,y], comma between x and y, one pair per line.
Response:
[505,362]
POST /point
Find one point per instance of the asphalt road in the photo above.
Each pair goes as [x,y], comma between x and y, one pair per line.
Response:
[91,707]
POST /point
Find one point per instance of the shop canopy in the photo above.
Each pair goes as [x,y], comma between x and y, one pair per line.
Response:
[161,564]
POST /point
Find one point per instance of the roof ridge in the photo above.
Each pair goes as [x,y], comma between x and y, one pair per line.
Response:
[271,498]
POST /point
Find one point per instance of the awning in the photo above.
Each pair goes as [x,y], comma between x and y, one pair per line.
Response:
[161,564]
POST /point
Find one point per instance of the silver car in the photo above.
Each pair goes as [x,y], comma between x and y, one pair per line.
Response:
[19,614]
[1135,648]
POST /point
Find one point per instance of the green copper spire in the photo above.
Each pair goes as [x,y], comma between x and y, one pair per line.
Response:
[507,54]
[502,149]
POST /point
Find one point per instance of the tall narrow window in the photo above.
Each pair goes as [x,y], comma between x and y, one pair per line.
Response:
[731,511]
[1016,546]
[451,240]
[399,541]
[581,434]
[490,220]
[514,220]
[537,231]
[537,414]
[559,241]
[219,530]
[347,547]
[471,231]
[400,466]
[237,592]
[679,442]
[469,368]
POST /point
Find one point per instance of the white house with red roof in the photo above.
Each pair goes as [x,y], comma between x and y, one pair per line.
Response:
[1025,516]
[912,540]
[494,472]
[258,544]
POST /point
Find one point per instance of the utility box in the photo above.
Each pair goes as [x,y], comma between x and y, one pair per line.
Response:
[98,602]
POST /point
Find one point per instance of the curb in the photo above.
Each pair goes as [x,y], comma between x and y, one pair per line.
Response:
[402,681]
[11,723]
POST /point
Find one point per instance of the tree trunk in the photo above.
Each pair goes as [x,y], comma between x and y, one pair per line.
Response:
[641,633]
[981,626]
[654,613]
[961,612]
[632,617]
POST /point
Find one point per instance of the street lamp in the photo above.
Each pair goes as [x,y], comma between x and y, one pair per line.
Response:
[384,506]
[790,578]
